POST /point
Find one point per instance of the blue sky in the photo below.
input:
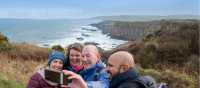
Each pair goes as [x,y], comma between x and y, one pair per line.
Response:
[92,8]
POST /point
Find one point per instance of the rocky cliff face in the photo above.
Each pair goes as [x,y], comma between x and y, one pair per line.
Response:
[166,44]
[127,30]
[138,30]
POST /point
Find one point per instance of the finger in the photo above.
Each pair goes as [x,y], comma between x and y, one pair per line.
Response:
[65,86]
[73,77]
[68,72]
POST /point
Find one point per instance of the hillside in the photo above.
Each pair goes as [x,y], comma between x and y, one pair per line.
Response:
[164,45]
[18,62]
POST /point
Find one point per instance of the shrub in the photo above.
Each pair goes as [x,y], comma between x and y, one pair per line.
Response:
[57,48]
[172,78]
[4,43]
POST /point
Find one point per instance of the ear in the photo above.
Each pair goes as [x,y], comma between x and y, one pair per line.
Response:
[98,55]
[123,68]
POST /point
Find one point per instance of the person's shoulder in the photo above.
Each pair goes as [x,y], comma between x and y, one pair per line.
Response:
[36,76]
[130,84]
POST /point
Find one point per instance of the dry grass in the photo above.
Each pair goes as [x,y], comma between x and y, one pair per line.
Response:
[19,63]
[173,78]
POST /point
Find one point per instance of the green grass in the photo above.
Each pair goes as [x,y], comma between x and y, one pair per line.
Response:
[10,84]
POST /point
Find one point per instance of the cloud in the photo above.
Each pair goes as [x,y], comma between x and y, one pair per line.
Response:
[41,13]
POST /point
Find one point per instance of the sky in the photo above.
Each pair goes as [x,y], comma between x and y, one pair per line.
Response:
[45,9]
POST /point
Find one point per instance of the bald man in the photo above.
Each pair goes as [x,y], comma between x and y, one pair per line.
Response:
[121,67]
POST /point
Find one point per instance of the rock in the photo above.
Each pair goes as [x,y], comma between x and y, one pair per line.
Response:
[46,45]
[85,35]
[80,38]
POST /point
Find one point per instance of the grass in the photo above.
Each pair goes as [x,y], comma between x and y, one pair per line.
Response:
[5,83]
[174,79]
[19,62]
[17,68]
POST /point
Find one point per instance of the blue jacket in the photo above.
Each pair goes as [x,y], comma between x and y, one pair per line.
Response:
[96,76]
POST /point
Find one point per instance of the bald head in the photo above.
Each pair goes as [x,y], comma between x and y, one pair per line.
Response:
[119,62]
[122,58]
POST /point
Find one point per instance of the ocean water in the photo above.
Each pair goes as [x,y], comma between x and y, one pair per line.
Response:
[46,33]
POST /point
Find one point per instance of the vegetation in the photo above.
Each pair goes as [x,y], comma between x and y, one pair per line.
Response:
[9,84]
[58,48]
[172,78]
[18,62]
[171,52]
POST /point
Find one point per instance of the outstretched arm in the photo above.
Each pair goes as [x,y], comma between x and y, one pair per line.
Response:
[77,80]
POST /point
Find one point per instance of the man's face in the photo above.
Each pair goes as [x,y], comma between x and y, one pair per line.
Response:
[56,65]
[113,67]
[90,58]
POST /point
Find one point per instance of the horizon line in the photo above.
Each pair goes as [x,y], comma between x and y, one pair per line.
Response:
[76,18]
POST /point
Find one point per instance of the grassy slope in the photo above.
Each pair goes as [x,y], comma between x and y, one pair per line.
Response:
[18,62]
[4,83]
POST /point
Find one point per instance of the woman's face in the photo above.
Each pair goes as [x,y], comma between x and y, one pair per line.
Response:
[56,65]
[75,57]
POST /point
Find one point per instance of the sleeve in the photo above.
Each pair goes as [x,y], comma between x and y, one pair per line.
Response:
[33,82]
[102,82]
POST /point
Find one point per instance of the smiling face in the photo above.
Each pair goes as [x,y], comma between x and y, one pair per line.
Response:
[56,65]
[90,56]
[113,67]
[75,57]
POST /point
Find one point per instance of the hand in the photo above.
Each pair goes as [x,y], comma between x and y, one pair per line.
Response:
[77,80]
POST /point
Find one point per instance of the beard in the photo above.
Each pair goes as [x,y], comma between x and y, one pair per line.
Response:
[109,75]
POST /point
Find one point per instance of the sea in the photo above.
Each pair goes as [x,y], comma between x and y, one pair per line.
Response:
[50,32]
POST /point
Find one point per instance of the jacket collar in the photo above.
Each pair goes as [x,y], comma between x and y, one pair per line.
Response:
[132,73]
[88,74]
[98,65]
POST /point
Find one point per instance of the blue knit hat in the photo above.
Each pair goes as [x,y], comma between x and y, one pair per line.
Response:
[56,55]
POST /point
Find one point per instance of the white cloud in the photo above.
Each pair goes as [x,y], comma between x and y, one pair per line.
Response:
[41,13]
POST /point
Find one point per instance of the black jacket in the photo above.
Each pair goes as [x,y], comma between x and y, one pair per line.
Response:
[126,80]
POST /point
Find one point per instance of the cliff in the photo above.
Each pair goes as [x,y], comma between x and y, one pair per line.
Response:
[138,30]
[173,45]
